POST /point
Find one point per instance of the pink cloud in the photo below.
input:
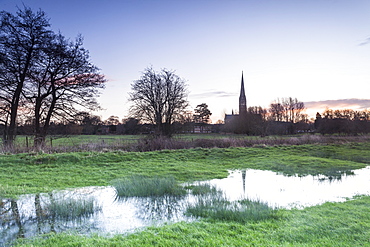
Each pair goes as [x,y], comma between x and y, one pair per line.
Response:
[312,107]
[355,104]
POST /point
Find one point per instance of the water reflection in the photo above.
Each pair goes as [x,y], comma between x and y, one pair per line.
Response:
[160,207]
[294,191]
[333,174]
[30,215]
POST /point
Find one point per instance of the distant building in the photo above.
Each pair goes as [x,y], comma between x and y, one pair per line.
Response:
[242,105]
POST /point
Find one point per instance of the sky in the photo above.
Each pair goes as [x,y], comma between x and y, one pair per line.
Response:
[317,51]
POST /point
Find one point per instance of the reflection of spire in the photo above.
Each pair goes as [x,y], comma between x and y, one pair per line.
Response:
[243,177]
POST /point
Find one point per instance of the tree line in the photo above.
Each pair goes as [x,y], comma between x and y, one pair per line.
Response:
[346,121]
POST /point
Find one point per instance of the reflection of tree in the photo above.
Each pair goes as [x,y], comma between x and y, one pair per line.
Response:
[30,216]
[9,209]
[12,222]
[161,207]
[39,212]
[17,218]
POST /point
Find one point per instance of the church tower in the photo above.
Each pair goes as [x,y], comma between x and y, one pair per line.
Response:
[242,100]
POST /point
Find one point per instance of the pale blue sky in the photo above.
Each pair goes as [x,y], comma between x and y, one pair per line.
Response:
[303,48]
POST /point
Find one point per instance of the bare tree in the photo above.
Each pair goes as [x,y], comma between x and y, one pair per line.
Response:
[293,109]
[159,98]
[287,109]
[22,37]
[276,111]
[258,110]
[42,74]
[62,82]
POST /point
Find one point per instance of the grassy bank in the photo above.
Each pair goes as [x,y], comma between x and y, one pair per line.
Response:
[38,172]
[330,224]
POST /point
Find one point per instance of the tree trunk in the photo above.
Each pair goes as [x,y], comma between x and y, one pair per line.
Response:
[11,132]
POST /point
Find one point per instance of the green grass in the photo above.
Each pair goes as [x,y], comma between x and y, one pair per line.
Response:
[75,140]
[330,224]
[39,172]
[201,189]
[72,208]
[214,205]
[142,186]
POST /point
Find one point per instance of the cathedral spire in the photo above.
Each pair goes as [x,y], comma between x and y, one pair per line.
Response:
[242,99]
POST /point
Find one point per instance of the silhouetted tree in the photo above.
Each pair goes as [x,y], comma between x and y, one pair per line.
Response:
[201,116]
[258,110]
[287,109]
[43,74]
[112,120]
[89,122]
[158,98]
[276,111]
[202,113]
[22,38]
[132,126]
[63,81]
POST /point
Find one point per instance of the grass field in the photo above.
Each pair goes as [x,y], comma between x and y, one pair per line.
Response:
[40,172]
[331,224]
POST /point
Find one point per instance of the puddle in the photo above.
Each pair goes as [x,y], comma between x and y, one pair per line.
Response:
[19,219]
[28,216]
[293,191]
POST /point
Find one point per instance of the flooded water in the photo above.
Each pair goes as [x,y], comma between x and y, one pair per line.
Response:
[294,191]
[28,216]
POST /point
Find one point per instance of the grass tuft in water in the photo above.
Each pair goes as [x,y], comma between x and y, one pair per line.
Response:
[72,208]
[216,206]
[141,186]
[202,189]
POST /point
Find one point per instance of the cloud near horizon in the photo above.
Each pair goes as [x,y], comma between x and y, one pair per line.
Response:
[354,104]
[367,41]
[213,94]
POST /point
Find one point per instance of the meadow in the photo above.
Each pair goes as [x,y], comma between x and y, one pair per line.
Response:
[42,172]
[330,224]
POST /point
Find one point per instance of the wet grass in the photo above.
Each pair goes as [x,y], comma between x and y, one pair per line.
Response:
[68,208]
[214,205]
[201,189]
[40,172]
[331,224]
[142,186]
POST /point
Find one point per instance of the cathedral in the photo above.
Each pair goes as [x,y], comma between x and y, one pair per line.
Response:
[242,105]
